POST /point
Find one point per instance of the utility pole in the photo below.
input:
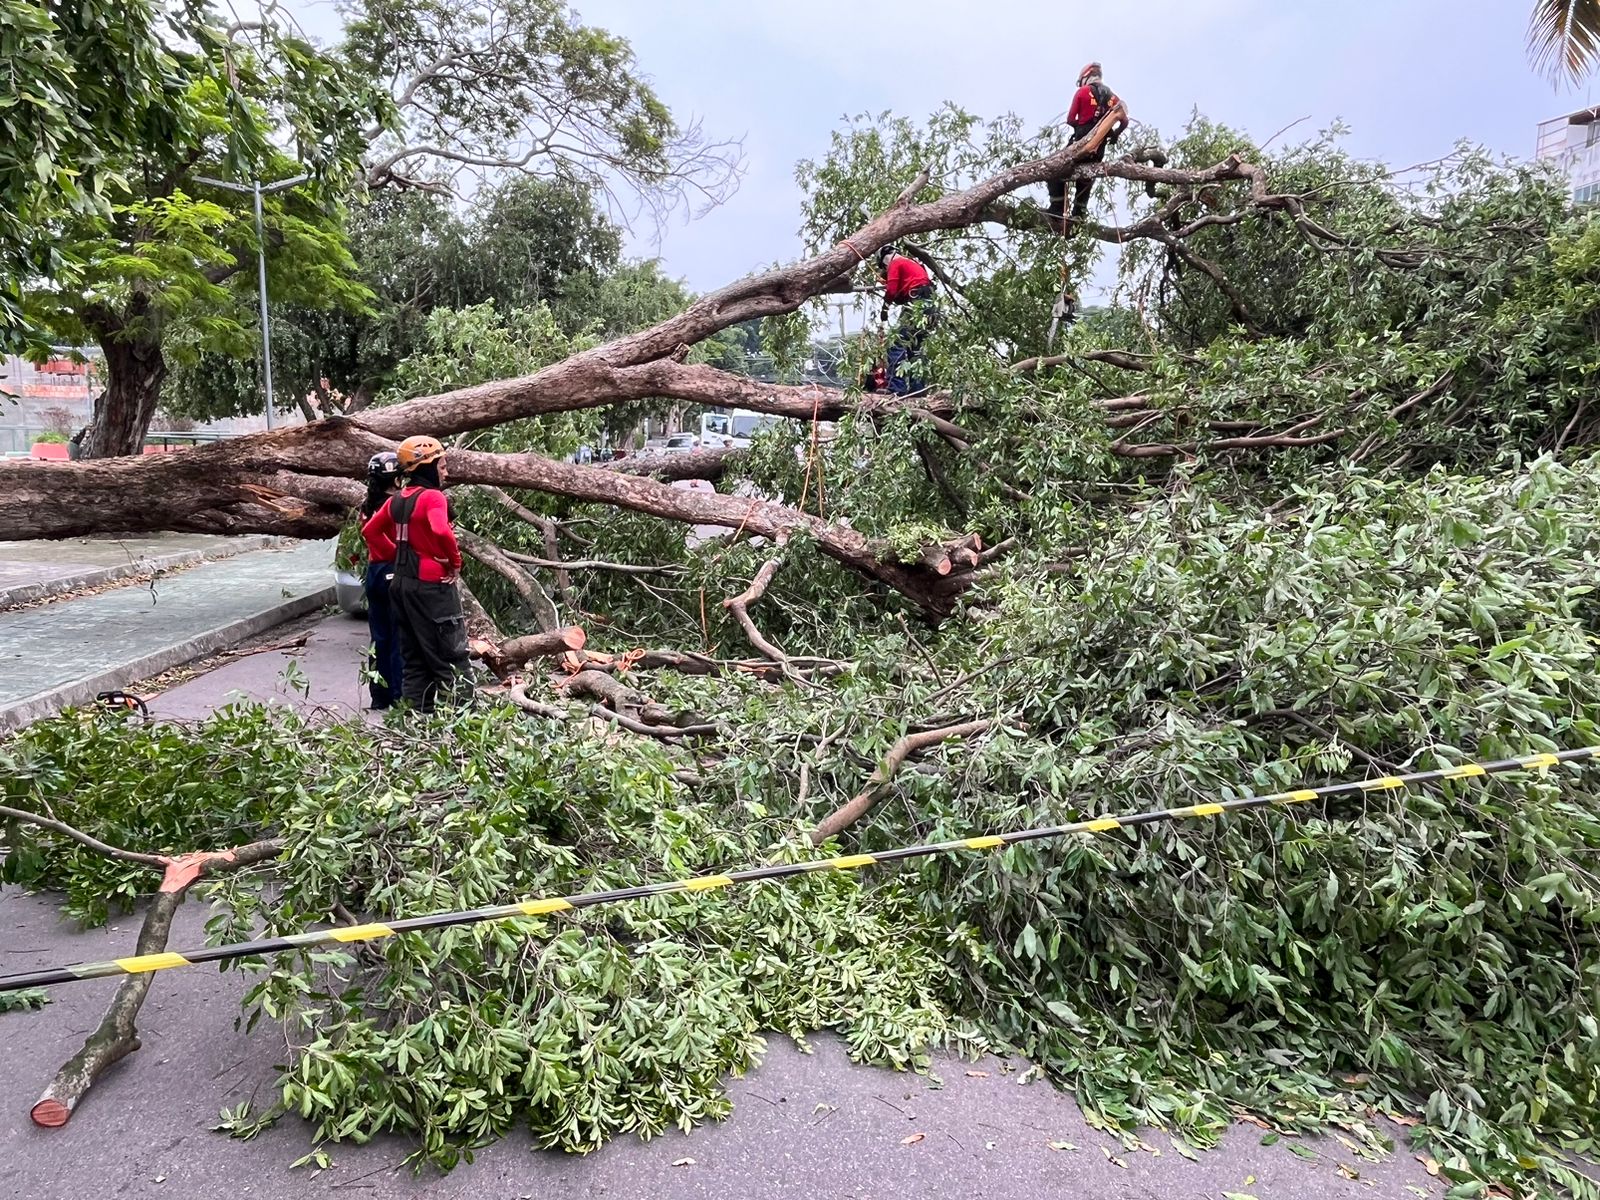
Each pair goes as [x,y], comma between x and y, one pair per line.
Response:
[257,191]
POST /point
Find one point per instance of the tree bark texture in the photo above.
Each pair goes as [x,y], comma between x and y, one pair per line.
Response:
[135,370]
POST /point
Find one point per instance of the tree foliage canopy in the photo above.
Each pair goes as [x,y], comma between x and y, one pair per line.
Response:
[121,112]
[110,107]
[523,243]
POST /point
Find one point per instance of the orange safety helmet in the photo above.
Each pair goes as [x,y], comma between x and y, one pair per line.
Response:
[418,451]
[1091,69]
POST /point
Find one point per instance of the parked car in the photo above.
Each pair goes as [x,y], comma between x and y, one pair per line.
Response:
[350,592]
[681,443]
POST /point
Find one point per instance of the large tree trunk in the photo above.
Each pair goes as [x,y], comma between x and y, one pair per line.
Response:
[135,371]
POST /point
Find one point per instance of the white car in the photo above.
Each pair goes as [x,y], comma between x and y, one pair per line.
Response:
[681,443]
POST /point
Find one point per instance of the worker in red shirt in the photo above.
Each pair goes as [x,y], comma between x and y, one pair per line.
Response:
[906,282]
[1090,103]
[427,561]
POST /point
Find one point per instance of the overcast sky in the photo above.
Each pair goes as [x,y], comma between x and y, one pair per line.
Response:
[1410,77]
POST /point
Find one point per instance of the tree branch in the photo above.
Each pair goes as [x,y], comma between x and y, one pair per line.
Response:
[83,839]
[913,743]
[117,1036]
[590,564]
[525,585]
[739,606]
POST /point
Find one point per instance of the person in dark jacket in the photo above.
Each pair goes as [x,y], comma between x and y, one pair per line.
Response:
[1092,101]
[907,283]
[427,563]
[383,479]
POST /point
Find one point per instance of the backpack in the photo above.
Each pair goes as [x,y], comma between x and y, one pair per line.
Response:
[1104,101]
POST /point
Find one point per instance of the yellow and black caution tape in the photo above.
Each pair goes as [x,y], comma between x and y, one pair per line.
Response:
[139,964]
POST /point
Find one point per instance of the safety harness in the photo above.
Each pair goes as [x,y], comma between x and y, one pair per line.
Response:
[407,562]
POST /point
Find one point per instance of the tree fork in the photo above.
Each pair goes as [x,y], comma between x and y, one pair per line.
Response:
[117,1036]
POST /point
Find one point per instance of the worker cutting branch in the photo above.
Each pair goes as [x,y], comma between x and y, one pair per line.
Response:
[907,283]
[1092,101]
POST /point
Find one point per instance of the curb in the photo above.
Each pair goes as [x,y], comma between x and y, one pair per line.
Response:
[27,593]
[83,691]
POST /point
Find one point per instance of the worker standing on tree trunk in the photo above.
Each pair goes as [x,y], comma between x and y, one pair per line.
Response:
[907,283]
[427,563]
[383,478]
[1091,102]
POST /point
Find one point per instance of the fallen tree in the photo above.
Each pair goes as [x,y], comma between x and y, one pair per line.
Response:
[1334,519]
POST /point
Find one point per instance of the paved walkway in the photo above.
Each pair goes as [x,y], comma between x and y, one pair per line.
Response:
[330,663]
[64,653]
[33,570]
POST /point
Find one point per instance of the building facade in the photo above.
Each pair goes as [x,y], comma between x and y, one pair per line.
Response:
[55,396]
[1572,143]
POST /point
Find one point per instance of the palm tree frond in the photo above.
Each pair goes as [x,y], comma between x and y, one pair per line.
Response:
[1564,38]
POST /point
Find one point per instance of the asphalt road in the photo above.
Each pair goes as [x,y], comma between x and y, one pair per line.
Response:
[810,1126]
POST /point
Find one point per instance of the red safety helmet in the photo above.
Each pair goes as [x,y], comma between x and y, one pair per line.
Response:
[1091,69]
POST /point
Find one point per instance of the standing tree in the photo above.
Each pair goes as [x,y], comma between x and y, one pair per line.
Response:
[164,265]
[519,85]
[156,263]
[86,86]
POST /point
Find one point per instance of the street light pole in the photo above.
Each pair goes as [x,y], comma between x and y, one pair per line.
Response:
[261,286]
[256,190]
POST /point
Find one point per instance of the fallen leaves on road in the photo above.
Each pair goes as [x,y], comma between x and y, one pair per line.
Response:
[912,1139]
[684,1162]
[1431,1165]
[977,1074]
[1062,1146]
[1113,1159]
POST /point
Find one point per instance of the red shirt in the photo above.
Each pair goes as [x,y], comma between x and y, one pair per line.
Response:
[905,276]
[430,535]
[1084,108]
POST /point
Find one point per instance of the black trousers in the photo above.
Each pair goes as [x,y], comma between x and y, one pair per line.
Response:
[433,641]
[1081,189]
[918,319]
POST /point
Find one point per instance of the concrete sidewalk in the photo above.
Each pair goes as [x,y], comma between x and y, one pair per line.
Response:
[61,654]
[331,663]
[32,571]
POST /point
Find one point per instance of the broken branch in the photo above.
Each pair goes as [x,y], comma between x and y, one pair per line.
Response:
[913,743]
